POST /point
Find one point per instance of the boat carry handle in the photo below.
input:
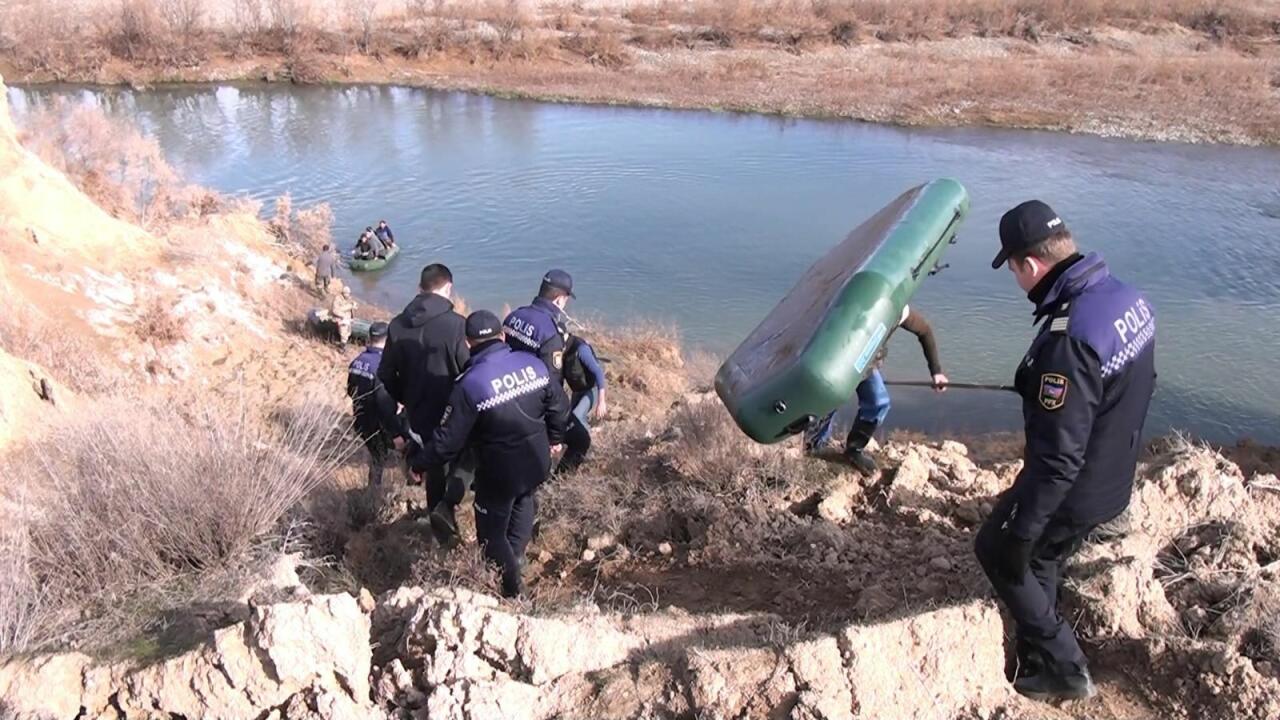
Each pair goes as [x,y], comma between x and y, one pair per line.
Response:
[947,234]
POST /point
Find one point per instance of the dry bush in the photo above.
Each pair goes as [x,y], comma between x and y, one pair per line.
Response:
[66,356]
[313,228]
[602,49]
[20,596]
[157,324]
[184,18]
[131,506]
[361,14]
[117,166]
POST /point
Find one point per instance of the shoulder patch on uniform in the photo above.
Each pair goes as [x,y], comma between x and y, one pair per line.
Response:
[1053,391]
[557,359]
[448,410]
[1059,324]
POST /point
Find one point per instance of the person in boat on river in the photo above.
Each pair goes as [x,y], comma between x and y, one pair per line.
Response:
[873,398]
[385,236]
[365,248]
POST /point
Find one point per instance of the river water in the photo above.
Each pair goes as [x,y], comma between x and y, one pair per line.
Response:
[703,220]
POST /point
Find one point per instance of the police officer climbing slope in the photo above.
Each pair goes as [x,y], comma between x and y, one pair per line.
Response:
[376,419]
[585,378]
[426,350]
[507,407]
[873,398]
[540,328]
[1086,383]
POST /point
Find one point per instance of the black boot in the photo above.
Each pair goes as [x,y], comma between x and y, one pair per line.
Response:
[443,524]
[855,445]
[1069,683]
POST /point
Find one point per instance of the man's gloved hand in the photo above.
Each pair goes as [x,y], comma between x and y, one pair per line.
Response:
[1014,558]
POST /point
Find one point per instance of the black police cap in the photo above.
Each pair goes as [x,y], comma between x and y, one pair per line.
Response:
[483,325]
[378,330]
[1024,227]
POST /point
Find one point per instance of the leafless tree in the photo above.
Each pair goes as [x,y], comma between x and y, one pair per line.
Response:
[361,14]
[183,17]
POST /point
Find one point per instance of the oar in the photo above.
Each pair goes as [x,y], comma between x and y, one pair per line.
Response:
[951,385]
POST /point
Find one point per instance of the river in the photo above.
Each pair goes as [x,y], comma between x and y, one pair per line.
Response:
[702,220]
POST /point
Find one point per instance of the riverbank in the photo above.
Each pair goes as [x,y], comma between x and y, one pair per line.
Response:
[188,532]
[1182,72]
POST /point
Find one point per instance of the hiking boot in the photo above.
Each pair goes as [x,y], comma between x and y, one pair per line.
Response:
[818,435]
[861,461]
[443,524]
[1048,685]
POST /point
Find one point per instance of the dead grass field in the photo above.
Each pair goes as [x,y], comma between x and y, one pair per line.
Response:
[1181,70]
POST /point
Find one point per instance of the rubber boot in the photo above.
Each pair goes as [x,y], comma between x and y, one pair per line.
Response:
[855,445]
[1070,683]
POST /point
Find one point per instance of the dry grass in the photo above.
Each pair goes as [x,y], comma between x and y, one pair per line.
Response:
[130,509]
[157,324]
[67,356]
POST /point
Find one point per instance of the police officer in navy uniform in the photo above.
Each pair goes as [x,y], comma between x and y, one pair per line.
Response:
[506,406]
[1086,384]
[376,419]
[541,328]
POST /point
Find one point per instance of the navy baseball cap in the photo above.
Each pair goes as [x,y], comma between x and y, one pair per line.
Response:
[378,330]
[1024,227]
[559,280]
[483,325]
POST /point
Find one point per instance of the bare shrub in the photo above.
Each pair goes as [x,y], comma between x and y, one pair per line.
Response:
[281,224]
[131,504]
[20,598]
[117,166]
[184,18]
[157,324]
[67,356]
[313,228]
[249,16]
[137,29]
[361,14]
[605,50]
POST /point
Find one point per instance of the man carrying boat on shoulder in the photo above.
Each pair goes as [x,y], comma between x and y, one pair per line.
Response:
[873,398]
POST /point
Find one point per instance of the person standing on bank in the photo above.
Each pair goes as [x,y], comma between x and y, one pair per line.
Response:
[504,405]
[1086,384]
[426,350]
[541,328]
[376,419]
[585,378]
[326,269]
[343,309]
[873,398]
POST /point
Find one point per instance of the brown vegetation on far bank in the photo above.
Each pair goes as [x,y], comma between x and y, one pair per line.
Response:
[1184,69]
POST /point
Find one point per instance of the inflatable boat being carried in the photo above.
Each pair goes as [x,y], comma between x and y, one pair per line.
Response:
[809,354]
[322,323]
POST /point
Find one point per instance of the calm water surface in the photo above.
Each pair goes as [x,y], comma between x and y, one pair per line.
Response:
[704,220]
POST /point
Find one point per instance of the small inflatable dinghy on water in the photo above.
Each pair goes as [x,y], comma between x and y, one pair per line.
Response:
[809,354]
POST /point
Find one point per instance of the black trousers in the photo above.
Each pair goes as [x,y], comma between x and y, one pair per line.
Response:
[450,483]
[504,527]
[1043,637]
[379,447]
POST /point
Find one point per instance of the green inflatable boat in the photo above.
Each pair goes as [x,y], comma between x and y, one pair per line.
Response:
[809,354]
[373,263]
[321,323]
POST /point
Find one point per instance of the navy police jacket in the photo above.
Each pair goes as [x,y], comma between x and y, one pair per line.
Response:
[1086,384]
[374,409]
[504,406]
[539,328]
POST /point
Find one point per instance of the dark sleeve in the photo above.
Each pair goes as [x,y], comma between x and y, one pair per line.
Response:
[1059,405]
[450,438]
[459,353]
[918,326]
[557,414]
[353,387]
[386,407]
[389,371]
[588,358]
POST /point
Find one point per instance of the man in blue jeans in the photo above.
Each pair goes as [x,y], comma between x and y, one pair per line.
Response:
[873,398]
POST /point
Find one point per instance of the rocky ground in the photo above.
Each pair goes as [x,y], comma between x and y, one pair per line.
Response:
[858,600]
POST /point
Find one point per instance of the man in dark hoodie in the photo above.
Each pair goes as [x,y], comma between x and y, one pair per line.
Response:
[426,350]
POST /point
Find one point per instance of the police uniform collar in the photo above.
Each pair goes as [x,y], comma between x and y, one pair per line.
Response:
[1066,280]
[372,349]
[545,304]
[488,349]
